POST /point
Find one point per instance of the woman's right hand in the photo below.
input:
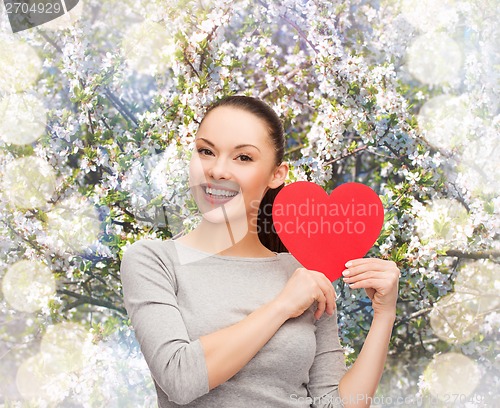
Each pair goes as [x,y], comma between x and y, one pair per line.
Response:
[303,288]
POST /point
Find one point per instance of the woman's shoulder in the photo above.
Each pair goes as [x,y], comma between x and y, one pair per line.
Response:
[141,245]
[291,260]
[147,259]
[288,255]
[149,252]
[151,248]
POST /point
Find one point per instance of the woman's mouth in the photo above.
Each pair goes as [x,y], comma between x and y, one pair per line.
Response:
[215,196]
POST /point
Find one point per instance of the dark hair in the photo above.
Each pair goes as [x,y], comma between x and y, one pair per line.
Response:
[265,227]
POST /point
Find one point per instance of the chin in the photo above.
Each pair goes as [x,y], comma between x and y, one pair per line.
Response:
[231,229]
[221,215]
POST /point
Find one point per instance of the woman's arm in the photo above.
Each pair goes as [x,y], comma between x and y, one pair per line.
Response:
[185,369]
[380,279]
[358,386]
[149,293]
[228,350]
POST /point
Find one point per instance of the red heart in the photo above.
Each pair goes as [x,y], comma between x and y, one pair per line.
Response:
[324,232]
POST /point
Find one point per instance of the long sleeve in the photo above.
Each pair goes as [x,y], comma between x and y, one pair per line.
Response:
[177,364]
[329,365]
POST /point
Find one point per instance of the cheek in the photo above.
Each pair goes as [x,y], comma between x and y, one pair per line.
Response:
[195,166]
[254,187]
[195,173]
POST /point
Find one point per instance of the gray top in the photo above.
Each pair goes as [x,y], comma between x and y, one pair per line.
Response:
[171,303]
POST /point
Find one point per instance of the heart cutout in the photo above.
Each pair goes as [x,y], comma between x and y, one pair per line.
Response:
[324,232]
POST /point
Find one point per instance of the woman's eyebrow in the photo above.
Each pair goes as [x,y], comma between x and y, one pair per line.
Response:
[236,147]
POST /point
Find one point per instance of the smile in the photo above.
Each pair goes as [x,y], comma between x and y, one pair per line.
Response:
[215,196]
[219,193]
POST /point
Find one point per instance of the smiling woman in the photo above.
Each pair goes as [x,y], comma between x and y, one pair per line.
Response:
[239,148]
[224,315]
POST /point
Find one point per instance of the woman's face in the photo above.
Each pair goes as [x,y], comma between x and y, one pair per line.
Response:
[234,158]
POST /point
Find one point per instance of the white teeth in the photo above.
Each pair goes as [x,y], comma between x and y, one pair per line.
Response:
[223,193]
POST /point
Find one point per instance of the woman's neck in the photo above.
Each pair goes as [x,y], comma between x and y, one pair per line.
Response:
[234,239]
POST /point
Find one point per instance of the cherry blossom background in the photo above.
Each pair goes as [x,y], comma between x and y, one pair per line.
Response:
[98,111]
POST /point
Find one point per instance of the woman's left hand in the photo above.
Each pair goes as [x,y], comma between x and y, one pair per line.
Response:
[380,280]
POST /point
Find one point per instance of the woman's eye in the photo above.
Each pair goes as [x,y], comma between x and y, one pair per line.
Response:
[203,149]
[243,157]
[247,158]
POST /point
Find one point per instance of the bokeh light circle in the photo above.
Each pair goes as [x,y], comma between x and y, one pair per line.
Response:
[148,48]
[23,118]
[20,65]
[28,182]
[455,318]
[451,373]
[73,224]
[447,121]
[36,383]
[444,219]
[478,168]
[28,285]
[63,346]
[434,58]
[430,15]
[480,279]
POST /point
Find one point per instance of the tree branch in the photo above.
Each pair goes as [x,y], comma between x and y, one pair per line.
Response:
[359,149]
[50,40]
[288,77]
[186,59]
[82,299]
[473,255]
[299,31]
[412,316]
[294,149]
[120,106]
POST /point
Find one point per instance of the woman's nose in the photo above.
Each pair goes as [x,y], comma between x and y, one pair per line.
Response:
[219,169]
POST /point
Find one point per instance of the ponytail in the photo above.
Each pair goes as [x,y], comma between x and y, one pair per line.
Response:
[265,226]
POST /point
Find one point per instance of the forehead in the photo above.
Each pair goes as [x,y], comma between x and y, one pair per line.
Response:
[234,124]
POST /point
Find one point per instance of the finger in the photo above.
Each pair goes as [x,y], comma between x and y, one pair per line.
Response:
[370,266]
[363,275]
[380,285]
[323,305]
[327,288]
[357,261]
[362,261]
[331,306]
[329,292]
[382,280]
[328,284]
[390,275]
[386,273]
[321,299]
[374,265]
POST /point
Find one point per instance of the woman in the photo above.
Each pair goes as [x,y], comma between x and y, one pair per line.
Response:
[225,317]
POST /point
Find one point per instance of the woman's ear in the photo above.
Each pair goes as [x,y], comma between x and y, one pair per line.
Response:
[279,175]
